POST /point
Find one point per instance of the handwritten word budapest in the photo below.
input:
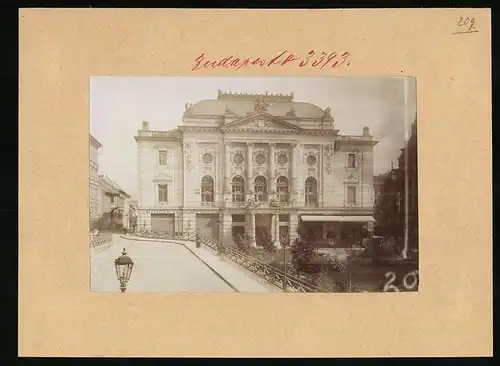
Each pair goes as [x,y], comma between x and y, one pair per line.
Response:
[410,281]
[313,59]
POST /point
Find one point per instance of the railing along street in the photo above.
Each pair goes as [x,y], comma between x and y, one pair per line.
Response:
[100,239]
[272,275]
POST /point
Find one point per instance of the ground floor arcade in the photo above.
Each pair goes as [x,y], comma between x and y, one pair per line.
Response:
[259,225]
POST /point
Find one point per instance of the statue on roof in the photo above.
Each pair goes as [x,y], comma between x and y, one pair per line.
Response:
[260,105]
[327,116]
[291,112]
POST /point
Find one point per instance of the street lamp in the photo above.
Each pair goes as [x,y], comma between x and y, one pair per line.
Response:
[123,266]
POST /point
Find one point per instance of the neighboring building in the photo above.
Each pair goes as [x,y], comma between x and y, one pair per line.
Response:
[216,172]
[114,208]
[94,193]
[378,184]
[397,211]
[408,163]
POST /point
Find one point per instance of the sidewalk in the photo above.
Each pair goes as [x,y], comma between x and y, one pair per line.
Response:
[239,278]
[158,268]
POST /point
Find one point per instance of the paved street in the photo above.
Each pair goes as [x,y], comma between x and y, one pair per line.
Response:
[159,267]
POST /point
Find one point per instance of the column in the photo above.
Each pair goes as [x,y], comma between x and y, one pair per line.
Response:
[320,176]
[249,182]
[294,221]
[293,173]
[252,229]
[227,167]
[227,220]
[277,242]
[272,178]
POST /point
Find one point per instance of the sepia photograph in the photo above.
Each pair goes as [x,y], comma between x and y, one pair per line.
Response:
[253,184]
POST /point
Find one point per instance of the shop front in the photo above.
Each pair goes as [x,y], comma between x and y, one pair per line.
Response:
[336,231]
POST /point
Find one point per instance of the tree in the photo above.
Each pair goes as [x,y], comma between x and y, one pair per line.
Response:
[302,250]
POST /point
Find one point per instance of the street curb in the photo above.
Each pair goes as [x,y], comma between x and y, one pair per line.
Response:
[101,248]
[184,245]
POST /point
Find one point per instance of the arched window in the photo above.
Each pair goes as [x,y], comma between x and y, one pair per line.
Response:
[311,191]
[282,188]
[207,189]
[238,189]
[260,188]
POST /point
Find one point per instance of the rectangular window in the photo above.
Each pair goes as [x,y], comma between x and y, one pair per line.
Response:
[351,160]
[238,218]
[283,218]
[163,157]
[163,193]
[351,195]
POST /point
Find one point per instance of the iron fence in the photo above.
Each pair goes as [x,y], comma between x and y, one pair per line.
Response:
[99,239]
[272,275]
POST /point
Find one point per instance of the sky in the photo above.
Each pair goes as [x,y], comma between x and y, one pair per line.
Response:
[118,105]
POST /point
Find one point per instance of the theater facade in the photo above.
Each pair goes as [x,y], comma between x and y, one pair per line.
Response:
[255,165]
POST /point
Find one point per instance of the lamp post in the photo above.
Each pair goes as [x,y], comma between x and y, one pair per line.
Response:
[123,266]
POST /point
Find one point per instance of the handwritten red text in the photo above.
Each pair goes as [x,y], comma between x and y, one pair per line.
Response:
[319,60]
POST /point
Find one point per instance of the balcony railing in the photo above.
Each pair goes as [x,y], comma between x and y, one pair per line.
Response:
[143,133]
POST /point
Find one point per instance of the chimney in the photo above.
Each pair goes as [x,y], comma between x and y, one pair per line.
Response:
[145,126]
[366,131]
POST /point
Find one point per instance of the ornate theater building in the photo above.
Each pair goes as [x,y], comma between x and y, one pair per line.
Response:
[222,171]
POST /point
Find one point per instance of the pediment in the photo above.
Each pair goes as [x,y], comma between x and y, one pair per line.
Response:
[261,122]
[162,178]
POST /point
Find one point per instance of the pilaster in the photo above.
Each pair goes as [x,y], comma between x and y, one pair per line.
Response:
[227,168]
[272,178]
[293,173]
[227,221]
[249,165]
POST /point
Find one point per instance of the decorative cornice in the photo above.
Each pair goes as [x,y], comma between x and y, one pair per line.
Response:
[356,139]
[250,96]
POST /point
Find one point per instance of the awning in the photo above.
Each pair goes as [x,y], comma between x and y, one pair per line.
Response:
[325,218]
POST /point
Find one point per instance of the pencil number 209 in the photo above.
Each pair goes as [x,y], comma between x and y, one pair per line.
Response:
[467,23]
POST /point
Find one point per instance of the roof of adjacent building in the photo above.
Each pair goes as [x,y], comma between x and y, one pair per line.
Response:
[380,179]
[110,185]
[241,104]
[95,142]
